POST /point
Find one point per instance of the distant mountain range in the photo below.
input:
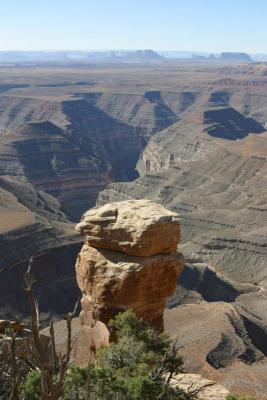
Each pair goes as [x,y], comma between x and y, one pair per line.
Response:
[79,56]
[238,56]
[113,56]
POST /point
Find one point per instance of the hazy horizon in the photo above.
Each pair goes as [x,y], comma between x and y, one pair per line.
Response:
[97,50]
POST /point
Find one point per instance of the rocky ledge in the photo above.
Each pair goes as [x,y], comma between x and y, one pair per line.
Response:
[128,261]
[136,227]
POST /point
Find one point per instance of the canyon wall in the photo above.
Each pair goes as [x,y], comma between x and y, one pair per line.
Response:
[57,152]
[65,133]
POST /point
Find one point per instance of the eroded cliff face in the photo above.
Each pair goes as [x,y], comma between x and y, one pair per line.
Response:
[129,261]
[69,149]
[31,222]
[198,168]
[56,154]
[214,185]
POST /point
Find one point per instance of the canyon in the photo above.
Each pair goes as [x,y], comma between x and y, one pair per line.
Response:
[186,135]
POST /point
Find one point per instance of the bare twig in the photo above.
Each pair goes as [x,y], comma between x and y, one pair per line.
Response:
[52,376]
[53,347]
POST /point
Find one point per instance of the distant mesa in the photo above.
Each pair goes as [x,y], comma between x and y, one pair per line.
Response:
[225,56]
[148,54]
[109,56]
[136,56]
[231,56]
[77,57]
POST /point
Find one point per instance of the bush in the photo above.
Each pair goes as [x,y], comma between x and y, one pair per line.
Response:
[138,366]
[31,388]
[75,383]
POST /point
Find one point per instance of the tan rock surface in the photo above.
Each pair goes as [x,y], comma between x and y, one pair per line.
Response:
[203,389]
[85,339]
[135,227]
[112,282]
[139,267]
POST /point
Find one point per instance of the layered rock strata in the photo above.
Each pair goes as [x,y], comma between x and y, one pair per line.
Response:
[129,261]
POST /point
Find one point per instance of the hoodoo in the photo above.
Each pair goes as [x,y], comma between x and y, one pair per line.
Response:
[129,261]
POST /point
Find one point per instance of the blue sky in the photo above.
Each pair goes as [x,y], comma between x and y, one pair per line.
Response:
[194,25]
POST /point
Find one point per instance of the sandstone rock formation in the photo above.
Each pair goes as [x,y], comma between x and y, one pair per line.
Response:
[85,339]
[201,388]
[129,261]
[140,228]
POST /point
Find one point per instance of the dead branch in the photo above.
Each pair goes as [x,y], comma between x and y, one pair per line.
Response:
[53,347]
[192,391]
[52,375]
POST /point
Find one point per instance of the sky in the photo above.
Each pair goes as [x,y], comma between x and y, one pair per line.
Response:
[192,25]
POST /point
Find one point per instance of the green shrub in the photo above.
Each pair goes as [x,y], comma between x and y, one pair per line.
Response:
[75,383]
[31,388]
[134,368]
